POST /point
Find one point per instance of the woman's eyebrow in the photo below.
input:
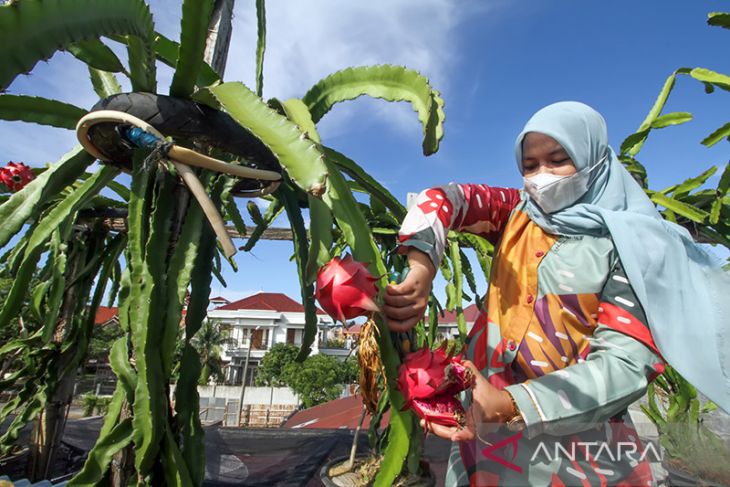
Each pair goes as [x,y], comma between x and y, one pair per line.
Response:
[559,150]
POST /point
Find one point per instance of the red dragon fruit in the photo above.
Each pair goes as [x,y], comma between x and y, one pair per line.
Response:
[444,410]
[429,380]
[346,289]
[16,175]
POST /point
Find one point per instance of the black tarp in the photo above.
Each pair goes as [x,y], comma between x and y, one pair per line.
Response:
[248,457]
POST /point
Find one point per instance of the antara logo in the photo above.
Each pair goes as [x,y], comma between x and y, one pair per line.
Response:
[620,451]
[590,451]
[489,452]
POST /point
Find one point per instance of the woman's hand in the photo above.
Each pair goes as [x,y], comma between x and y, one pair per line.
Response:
[405,303]
[490,408]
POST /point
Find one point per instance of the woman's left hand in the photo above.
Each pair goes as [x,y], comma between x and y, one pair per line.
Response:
[489,406]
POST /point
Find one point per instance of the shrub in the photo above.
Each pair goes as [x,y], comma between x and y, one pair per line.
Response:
[102,405]
[90,402]
[334,343]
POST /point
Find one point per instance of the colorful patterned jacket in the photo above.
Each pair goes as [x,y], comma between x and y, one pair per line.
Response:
[563,332]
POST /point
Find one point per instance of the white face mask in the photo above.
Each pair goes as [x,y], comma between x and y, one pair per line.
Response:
[553,193]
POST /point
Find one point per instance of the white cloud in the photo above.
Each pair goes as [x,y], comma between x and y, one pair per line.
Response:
[306,41]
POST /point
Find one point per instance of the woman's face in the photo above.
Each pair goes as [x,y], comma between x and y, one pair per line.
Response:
[542,153]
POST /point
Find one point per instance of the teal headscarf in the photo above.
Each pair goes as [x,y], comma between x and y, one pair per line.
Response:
[683,290]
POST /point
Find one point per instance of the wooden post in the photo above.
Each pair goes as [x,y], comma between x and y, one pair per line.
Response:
[219,35]
[243,378]
[216,52]
[271,403]
[50,424]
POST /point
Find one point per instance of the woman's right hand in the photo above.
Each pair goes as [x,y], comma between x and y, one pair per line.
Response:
[490,408]
[405,303]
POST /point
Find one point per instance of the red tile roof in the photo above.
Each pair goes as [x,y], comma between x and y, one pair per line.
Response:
[267,301]
[340,413]
[104,315]
[471,313]
[352,330]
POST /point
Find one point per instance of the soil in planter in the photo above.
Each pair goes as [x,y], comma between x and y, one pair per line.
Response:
[363,474]
[720,475]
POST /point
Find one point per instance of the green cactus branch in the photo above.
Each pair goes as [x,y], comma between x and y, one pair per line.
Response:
[33,30]
[391,83]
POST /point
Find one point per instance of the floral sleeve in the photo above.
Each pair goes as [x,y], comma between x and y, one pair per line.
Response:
[474,208]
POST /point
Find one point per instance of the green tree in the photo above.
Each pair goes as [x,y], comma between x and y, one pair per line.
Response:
[271,371]
[101,339]
[349,370]
[316,380]
[209,342]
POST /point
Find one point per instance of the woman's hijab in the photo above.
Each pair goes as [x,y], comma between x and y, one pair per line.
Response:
[682,288]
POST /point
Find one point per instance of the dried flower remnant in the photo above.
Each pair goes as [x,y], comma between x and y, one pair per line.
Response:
[368,358]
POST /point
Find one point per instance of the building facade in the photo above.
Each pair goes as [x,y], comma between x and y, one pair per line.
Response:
[255,323]
[448,326]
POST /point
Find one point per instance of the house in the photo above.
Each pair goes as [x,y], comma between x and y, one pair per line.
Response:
[97,361]
[106,316]
[448,326]
[217,301]
[259,321]
[341,340]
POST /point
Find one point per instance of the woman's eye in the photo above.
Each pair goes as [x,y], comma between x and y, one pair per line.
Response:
[562,161]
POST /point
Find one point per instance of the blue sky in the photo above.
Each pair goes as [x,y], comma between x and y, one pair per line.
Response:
[495,62]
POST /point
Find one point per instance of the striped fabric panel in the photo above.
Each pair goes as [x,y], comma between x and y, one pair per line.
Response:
[560,336]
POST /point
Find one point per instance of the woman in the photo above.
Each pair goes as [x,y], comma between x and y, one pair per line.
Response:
[590,291]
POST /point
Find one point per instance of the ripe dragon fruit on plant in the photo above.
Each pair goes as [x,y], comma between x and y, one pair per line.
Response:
[346,289]
[429,380]
[16,175]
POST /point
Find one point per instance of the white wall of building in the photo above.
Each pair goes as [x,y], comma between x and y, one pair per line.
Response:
[252,395]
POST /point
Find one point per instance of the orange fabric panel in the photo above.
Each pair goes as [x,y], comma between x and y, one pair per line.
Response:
[513,281]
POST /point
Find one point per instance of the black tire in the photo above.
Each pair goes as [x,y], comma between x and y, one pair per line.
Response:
[184,119]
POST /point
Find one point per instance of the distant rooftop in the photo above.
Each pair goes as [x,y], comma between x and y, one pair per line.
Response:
[343,413]
[105,314]
[267,301]
[471,313]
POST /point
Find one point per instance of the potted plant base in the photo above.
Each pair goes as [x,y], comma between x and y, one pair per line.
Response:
[678,475]
[337,473]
